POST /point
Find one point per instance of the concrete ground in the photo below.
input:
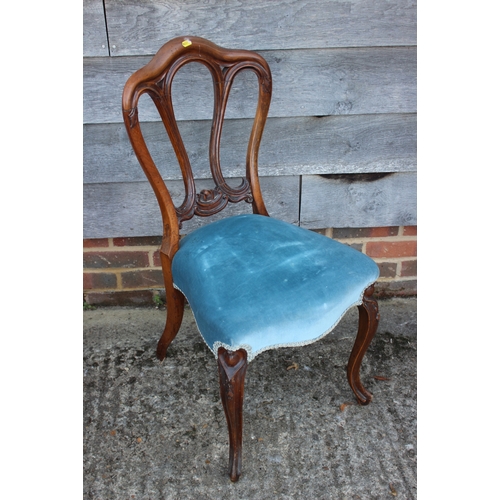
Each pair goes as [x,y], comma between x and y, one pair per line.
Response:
[157,430]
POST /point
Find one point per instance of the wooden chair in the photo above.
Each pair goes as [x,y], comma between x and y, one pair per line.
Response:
[253,282]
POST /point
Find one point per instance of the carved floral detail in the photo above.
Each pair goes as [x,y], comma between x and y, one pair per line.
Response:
[210,201]
[207,196]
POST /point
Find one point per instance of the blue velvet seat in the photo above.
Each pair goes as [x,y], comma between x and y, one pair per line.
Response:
[253,282]
[257,283]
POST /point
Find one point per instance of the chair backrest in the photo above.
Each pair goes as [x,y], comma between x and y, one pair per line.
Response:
[156,79]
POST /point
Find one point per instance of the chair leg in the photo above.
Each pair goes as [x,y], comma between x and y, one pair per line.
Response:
[232,369]
[368,322]
[175,310]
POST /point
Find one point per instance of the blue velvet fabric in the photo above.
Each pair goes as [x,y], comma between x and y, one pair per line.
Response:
[257,283]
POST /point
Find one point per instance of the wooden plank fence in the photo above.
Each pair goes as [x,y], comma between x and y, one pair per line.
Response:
[141,27]
[339,149]
[305,83]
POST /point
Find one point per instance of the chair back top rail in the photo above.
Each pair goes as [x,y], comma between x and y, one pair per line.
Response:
[156,79]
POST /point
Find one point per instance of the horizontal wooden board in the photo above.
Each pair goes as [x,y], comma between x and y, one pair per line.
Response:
[95,38]
[130,209]
[139,27]
[290,146]
[359,201]
[305,83]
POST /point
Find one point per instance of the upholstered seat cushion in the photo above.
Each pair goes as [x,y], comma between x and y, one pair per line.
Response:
[255,282]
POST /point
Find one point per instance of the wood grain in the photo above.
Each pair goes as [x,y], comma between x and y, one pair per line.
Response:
[344,102]
[95,38]
[305,83]
[290,146]
[131,209]
[370,200]
[138,27]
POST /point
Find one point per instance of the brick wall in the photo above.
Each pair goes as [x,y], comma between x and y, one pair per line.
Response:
[127,271]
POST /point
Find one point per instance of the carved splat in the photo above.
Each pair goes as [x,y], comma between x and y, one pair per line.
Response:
[155,79]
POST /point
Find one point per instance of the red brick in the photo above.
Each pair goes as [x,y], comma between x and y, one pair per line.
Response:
[157,259]
[138,241]
[110,259]
[387,269]
[377,232]
[94,243]
[391,249]
[99,280]
[409,268]
[142,279]
[410,231]
[356,246]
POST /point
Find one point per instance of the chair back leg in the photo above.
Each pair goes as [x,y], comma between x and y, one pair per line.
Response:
[175,309]
[368,323]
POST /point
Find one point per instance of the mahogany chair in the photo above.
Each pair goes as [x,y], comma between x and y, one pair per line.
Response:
[253,282]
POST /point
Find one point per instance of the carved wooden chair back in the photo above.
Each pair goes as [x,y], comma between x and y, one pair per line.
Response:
[155,79]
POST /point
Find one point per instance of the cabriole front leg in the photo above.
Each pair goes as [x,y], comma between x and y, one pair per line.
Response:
[368,323]
[232,369]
